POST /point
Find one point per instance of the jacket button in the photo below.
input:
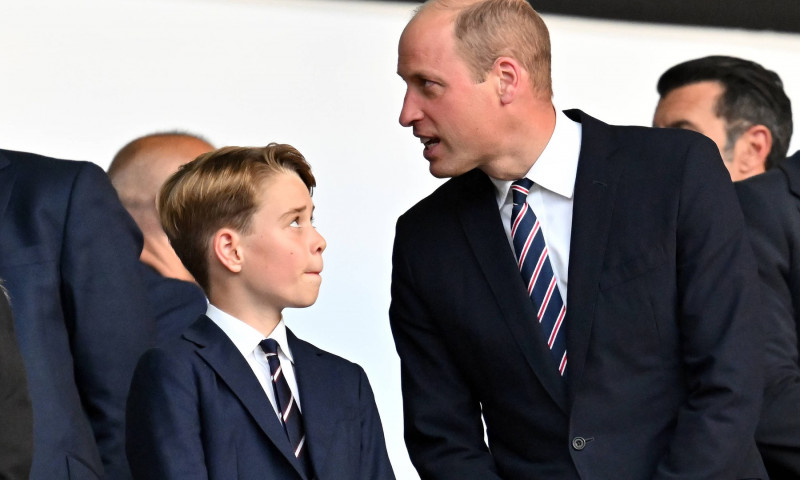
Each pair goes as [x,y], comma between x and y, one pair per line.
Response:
[579,443]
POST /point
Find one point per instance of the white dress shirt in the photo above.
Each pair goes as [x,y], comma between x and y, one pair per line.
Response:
[247,339]
[551,197]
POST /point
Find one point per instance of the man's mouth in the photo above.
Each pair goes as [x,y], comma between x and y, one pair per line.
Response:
[429,142]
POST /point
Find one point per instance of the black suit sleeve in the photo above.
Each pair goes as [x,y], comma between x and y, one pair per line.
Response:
[773,222]
[443,426]
[16,414]
[719,326]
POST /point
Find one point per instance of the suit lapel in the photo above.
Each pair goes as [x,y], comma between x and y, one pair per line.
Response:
[316,383]
[595,186]
[222,356]
[483,227]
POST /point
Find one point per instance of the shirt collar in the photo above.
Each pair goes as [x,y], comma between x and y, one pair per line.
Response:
[246,338]
[557,166]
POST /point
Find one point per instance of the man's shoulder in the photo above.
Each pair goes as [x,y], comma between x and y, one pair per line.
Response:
[444,198]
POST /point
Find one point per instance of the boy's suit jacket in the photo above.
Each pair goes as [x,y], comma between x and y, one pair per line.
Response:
[771,206]
[663,374]
[197,411]
[69,254]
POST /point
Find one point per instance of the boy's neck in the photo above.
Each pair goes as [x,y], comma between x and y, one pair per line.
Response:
[261,317]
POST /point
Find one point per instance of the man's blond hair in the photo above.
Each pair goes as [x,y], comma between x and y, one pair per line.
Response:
[489,29]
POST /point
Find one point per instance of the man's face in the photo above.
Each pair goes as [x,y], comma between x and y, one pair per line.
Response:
[448,111]
[692,107]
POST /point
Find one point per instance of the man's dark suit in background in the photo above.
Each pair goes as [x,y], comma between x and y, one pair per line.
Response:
[175,303]
[771,205]
[69,254]
[16,415]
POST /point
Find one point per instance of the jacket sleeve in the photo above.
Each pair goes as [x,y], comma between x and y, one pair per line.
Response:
[163,432]
[105,307]
[443,425]
[721,339]
[375,463]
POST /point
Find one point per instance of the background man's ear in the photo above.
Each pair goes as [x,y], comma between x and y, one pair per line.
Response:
[752,148]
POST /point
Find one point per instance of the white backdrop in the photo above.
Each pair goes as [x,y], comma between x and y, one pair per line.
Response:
[80,78]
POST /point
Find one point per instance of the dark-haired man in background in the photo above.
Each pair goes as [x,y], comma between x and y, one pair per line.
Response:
[742,107]
[737,103]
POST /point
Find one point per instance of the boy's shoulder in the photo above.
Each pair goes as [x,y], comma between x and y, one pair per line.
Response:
[305,352]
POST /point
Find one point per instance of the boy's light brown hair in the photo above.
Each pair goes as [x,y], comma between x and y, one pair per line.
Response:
[221,188]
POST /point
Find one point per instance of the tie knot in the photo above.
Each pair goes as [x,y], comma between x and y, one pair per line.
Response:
[270,346]
[520,190]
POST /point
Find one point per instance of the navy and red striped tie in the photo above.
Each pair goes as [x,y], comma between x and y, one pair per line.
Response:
[291,417]
[540,279]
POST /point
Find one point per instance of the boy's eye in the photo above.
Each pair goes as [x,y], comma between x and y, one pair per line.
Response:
[295,223]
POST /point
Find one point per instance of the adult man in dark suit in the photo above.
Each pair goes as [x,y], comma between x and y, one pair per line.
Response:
[645,247]
[16,415]
[137,172]
[742,107]
[735,102]
[69,257]
[771,205]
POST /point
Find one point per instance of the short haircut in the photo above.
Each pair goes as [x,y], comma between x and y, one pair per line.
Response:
[752,95]
[220,189]
[490,29]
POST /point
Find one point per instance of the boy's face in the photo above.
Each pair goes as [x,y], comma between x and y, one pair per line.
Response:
[283,252]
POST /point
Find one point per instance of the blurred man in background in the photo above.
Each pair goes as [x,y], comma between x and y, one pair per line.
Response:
[137,172]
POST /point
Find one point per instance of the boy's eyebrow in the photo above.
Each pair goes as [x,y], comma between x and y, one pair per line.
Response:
[297,210]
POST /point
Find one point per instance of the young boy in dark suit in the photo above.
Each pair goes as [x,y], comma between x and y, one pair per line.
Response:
[238,396]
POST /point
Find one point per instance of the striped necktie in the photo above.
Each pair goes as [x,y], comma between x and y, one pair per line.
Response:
[534,264]
[291,417]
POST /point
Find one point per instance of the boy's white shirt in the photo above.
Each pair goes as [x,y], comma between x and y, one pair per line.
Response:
[247,339]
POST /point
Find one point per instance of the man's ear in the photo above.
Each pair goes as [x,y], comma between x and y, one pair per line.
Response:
[752,149]
[508,73]
[228,250]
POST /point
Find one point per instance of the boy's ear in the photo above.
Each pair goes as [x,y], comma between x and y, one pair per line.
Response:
[228,250]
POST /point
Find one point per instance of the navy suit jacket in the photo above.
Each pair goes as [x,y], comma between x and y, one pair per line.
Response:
[175,303]
[69,253]
[197,411]
[663,374]
[771,206]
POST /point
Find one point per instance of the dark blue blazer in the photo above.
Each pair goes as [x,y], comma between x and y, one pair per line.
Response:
[197,411]
[771,206]
[663,374]
[175,303]
[69,253]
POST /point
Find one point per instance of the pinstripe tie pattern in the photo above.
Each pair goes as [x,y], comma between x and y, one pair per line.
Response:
[291,417]
[534,264]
